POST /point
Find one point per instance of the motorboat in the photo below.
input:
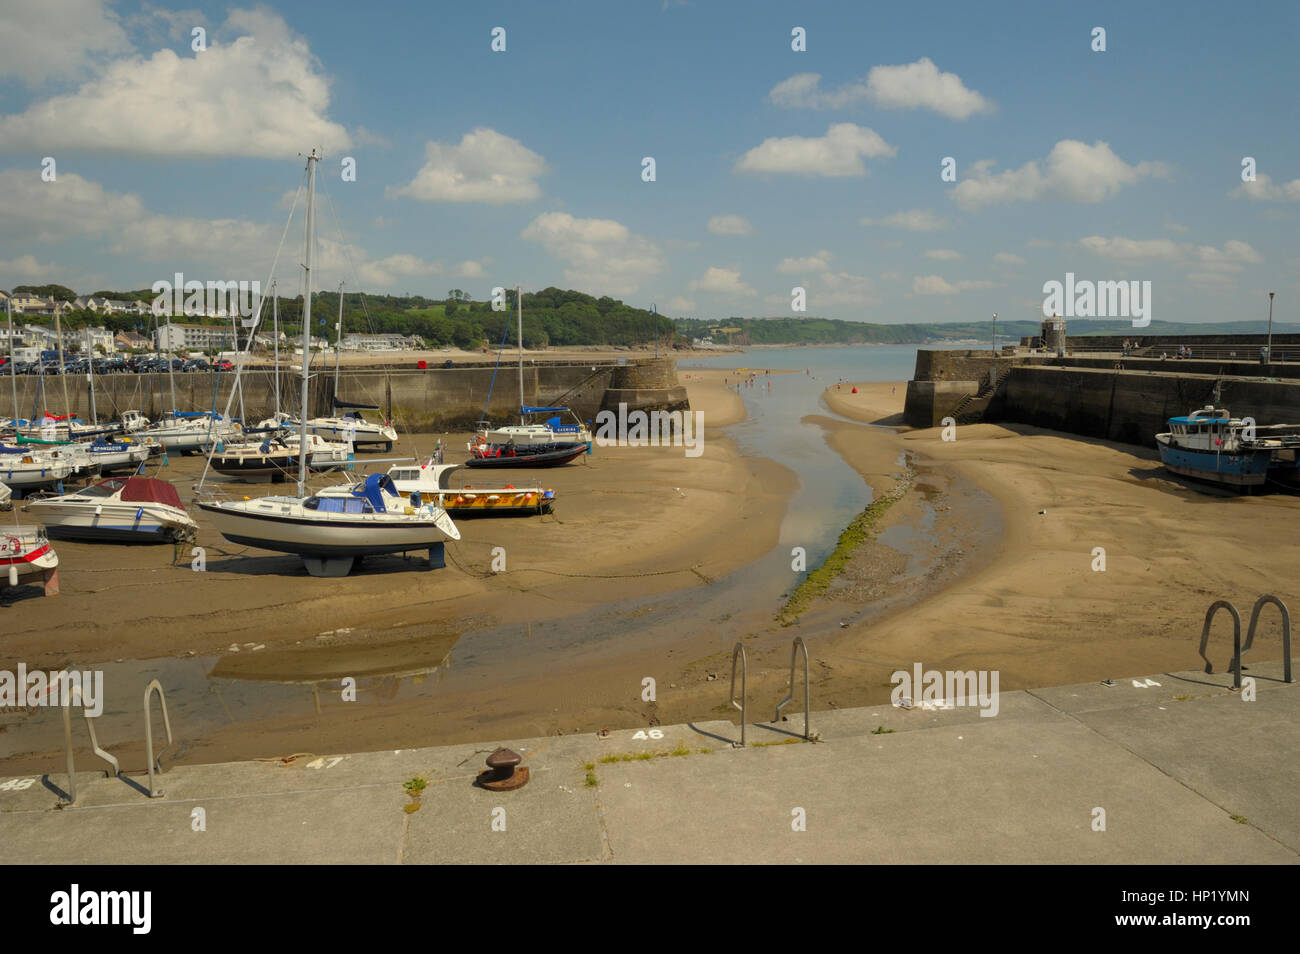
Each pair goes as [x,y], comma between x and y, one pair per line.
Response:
[120,508]
[27,557]
[190,432]
[24,468]
[509,455]
[352,427]
[125,453]
[431,481]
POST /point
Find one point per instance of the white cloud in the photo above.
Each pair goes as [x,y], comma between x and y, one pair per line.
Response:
[385,271]
[918,85]
[817,262]
[721,281]
[914,220]
[679,304]
[226,248]
[1175,227]
[25,267]
[485,167]
[937,285]
[1075,172]
[1231,257]
[1006,258]
[841,288]
[943,255]
[839,153]
[604,257]
[57,39]
[260,95]
[1263,189]
[730,225]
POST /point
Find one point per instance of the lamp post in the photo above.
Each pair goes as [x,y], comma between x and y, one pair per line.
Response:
[995,333]
[1270,326]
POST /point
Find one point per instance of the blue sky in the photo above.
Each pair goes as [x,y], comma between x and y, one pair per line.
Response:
[478,168]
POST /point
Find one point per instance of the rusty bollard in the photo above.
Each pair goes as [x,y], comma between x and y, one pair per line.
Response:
[504,773]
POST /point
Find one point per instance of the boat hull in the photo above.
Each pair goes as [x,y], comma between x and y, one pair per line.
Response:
[552,458]
[271,525]
[1249,469]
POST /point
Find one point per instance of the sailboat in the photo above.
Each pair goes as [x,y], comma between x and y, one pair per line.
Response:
[529,432]
[351,425]
[331,530]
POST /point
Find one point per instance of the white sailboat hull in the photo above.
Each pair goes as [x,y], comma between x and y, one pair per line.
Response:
[284,525]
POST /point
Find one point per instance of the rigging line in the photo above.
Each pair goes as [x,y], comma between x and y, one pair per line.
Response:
[347,254]
[505,334]
[252,333]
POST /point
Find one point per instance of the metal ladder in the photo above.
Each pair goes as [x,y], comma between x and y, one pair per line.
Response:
[794,650]
[1239,648]
[73,697]
[743,704]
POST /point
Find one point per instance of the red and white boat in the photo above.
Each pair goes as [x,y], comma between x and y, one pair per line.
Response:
[27,557]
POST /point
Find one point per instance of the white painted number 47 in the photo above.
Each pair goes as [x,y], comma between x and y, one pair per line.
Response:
[330,762]
[653,734]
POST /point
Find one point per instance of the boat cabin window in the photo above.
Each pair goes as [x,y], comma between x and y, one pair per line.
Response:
[338,505]
[405,475]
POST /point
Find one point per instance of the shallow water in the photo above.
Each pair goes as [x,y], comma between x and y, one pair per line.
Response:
[204,693]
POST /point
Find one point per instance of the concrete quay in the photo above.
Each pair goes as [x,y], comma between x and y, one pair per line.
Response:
[1186,771]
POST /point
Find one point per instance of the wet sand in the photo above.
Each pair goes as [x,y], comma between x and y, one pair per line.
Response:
[1028,601]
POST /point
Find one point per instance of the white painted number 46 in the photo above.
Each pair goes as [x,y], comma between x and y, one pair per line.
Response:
[653,734]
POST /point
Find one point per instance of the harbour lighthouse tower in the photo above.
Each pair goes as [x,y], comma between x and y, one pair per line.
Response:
[1053,335]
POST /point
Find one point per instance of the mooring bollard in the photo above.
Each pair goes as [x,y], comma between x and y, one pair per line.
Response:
[504,773]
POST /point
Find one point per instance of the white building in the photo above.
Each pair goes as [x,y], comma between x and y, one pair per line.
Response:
[93,340]
[182,337]
[355,342]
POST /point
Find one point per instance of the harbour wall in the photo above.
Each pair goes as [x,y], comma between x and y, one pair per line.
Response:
[428,399]
[1120,399]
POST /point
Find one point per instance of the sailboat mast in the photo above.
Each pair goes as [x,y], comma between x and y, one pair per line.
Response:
[338,339]
[171,372]
[519,300]
[239,363]
[90,379]
[306,322]
[63,377]
[13,368]
[275,341]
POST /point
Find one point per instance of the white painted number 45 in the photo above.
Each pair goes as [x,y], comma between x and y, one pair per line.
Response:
[654,734]
[17,784]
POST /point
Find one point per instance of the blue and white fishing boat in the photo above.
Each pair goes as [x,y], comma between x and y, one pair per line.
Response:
[1211,444]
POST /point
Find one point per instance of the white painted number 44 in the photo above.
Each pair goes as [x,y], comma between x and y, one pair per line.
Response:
[653,734]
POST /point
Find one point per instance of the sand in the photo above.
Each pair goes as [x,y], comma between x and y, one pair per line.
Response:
[628,521]
[964,572]
[1033,601]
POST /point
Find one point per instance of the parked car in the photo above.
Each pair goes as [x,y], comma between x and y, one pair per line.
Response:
[223,364]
